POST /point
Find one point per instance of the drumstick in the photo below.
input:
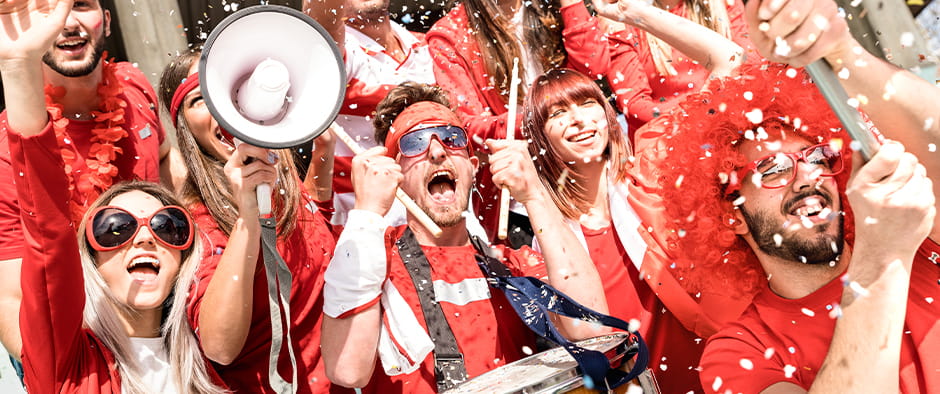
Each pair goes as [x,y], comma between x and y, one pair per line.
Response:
[409,204]
[510,135]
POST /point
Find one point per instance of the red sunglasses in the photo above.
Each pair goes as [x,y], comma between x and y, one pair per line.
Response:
[777,170]
[113,227]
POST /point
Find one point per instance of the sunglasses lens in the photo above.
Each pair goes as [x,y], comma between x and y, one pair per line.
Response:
[775,170]
[414,143]
[453,137]
[112,227]
[823,156]
[417,142]
[171,225]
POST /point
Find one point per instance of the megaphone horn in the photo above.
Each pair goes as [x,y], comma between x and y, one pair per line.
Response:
[272,76]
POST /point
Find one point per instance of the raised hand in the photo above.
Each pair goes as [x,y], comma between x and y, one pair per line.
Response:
[893,201]
[797,32]
[30,27]
[513,168]
[375,179]
[248,167]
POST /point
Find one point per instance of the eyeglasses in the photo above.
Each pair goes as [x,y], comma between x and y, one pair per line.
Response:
[113,227]
[776,171]
[418,141]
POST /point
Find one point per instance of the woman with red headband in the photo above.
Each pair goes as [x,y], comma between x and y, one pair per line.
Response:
[106,313]
[229,304]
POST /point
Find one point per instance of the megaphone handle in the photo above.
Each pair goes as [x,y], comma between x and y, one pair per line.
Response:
[263,192]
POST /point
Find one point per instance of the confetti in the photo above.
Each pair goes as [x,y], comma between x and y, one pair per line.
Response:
[717,383]
[808,312]
[788,371]
[746,364]
[768,353]
[755,116]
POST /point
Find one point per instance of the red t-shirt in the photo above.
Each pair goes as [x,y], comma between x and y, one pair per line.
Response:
[307,251]
[787,340]
[140,158]
[487,329]
[674,350]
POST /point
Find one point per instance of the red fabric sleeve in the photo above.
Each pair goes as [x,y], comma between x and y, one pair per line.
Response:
[11,230]
[628,77]
[585,42]
[524,261]
[735,361]
[51,278]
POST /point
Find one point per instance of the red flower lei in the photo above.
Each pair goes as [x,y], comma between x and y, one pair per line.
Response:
[109,119]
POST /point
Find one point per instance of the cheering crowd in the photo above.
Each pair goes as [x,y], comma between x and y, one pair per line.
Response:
[671,165]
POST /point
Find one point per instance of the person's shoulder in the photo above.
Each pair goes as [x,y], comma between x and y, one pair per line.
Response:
[455,20]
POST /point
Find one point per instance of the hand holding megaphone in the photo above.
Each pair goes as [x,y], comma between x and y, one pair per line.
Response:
[251,171]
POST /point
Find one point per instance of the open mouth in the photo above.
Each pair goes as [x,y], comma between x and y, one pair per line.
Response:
[144,269]
[227,140]
[583,136]
[72,45]
[442,185]
[814,207]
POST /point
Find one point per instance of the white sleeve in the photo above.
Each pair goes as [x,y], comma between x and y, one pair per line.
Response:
[356,272]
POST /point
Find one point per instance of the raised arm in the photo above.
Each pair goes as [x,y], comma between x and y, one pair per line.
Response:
[701,44]
[319,179]
[52,281]
[354,278]
[905,107]
[225,309]
[570,268]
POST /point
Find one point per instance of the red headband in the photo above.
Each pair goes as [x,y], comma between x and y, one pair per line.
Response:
[422,113]
[191,82]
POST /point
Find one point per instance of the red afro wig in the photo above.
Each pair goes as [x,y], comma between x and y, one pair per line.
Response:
[767,100]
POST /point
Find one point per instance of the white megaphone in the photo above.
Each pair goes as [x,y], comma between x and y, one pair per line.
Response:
[272,77]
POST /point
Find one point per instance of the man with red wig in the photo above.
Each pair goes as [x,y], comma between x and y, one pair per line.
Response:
[376,308]
[756,177]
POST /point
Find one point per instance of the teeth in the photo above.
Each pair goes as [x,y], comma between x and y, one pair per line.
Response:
[441,173]
[811,206]
[582,137]
[72,42]
[145,260]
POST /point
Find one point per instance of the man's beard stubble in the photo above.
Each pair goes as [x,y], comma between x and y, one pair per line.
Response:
[82,70]
[823,249]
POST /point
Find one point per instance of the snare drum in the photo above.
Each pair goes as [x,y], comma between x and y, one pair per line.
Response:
[555,371]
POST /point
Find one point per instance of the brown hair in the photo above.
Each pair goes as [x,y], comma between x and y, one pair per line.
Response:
[498,44]
[564,86]
[400,98]
[206,181]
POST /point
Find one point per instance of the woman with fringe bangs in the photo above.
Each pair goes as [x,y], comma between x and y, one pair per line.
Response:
[229,304]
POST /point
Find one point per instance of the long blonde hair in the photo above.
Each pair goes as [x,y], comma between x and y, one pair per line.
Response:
[190,373]
[712,14]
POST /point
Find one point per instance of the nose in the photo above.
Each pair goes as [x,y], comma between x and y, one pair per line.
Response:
[71,23]
[436,149]
[144,236]
[805,174]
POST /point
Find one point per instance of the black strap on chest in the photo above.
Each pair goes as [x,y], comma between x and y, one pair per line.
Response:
[449,367]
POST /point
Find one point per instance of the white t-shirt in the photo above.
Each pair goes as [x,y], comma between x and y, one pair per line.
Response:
[155,369]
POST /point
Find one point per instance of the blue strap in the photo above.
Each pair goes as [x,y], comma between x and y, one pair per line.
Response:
[533,299]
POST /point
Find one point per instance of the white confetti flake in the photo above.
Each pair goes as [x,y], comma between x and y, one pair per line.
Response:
[755,116]
[788,371]
[907,39]
[634,325]
[717,383]
[870,220]
[791,73]
[932,147]
[808,312]
[748,95]
[836,312]
[781,47]
[527,350]
[768,353]
[746,364]
[929,300]
[844,73]
[778,239]
[634,389]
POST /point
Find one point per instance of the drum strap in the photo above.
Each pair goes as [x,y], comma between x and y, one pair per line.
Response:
[449,367]
[533,299]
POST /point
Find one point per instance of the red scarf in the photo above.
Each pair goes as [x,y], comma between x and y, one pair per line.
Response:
[107,131]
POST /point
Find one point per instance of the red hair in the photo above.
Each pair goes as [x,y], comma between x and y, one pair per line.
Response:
[707,130]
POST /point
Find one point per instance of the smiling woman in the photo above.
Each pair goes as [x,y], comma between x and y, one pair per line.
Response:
[121,326]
